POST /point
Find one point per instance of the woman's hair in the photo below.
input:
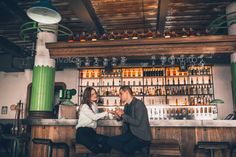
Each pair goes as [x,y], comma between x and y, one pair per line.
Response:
[87,97]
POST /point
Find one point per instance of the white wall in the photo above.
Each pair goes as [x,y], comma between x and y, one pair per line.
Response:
[222,88]
[13,87]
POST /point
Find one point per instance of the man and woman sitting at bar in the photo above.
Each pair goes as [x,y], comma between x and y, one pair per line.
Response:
[136,132]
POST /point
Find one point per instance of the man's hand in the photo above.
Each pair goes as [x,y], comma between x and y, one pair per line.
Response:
[119,112]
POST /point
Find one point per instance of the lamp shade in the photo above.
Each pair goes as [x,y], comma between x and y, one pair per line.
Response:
[217,101]
[44,12]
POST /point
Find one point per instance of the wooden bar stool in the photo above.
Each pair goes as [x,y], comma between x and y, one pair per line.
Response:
[212,146]
[50,145]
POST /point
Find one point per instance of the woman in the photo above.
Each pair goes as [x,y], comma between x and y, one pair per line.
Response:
[87,123]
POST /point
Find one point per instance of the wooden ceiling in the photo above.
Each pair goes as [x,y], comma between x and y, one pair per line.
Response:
[120,15]
[114,16]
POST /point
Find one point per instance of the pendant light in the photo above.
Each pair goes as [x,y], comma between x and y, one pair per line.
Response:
[44,12]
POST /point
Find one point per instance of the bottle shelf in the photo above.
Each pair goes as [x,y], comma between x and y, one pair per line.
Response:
[153,81]
[132,77]
[153,77]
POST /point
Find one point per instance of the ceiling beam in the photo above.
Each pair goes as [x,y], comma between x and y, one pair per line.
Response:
[161,16]
[11,48]
[85,12]
[14,9]
[145,47]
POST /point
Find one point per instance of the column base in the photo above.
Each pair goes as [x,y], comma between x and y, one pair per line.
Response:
[40,115]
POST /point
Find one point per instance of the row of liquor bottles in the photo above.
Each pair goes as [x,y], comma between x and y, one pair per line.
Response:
[126,35]
[144,72]
[160,90]
[176,81]
[203,100]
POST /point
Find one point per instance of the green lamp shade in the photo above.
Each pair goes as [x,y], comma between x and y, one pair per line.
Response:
[217,101]
[44,12]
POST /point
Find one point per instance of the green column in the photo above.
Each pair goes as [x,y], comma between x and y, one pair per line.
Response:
[42,93]
[233,73]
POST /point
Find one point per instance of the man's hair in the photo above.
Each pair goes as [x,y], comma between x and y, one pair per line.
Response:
[127,88]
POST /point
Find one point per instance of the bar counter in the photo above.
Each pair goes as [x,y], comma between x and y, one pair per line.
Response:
[187,132]
[153,123]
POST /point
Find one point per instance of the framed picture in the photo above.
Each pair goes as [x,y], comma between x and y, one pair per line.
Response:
[4,110]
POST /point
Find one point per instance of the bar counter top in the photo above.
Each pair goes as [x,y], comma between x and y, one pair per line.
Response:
[153,123]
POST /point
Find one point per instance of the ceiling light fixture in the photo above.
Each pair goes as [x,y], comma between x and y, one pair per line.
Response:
[44,12]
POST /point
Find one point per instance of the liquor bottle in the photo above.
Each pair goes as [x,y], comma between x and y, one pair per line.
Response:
[199,100]
[82,37]
[210,89]
[173,81]
[191,32]
[94,36]
[209,81]
[87,83]
[140,73]
[178,82]
[176,102]
[185,102]
[115,103]
[133,73]
[205,90]
[107,102]
[71,39]
[149,34]
[157,82]
[158,34]
[168,81]
[129,72]
[111,36]
[92,74]
[125,73]
[199,90]
[197,80]
[125,35]
[151,82]
[184,33]
[184,81]
[167,33]
[87,74]
[191,80]
[134,35]
[194,90]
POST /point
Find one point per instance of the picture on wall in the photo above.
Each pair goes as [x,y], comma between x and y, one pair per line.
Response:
[4,110]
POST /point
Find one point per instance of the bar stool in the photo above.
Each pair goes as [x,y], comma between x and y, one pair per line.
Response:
[212,146]
[232,149]
[51,145]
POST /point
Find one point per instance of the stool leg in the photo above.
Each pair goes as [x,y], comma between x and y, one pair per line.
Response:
[49,151]
[212,152]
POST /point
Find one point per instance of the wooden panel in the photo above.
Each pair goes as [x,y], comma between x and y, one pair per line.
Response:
[145,47]
[187,137]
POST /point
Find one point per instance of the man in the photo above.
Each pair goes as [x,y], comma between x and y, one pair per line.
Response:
[136,128]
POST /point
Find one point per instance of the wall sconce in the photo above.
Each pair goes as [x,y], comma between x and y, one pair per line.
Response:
[96,61]
[153,58]
[105,62]
[192,60]
[87,62]
[123,60]
[163,60]
[202,62]
[114,61]
[171,60]
[78,62]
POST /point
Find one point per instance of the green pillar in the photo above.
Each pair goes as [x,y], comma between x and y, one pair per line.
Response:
[233,73]
[42,93]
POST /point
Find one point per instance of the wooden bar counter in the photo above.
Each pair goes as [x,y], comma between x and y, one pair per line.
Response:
[187,132]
